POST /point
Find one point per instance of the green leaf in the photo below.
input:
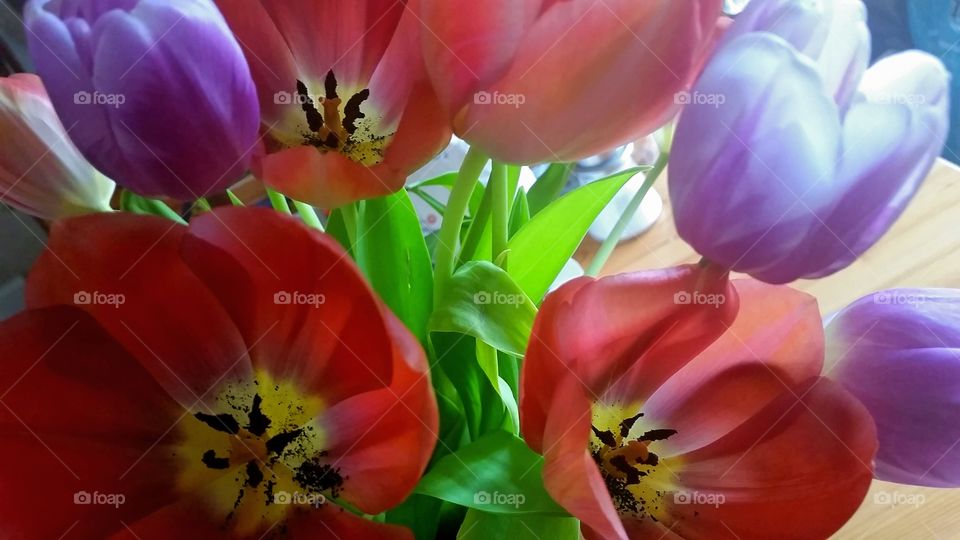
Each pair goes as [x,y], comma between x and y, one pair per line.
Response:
[131,202]
[520,214]
[478,525]
[541,247]
[337,228]
[484,302]
[400,269]
[548,187]
[454,360]
[497,474]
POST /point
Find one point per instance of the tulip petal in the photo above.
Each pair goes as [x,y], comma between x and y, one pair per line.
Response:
[380,439]
[330,522]
[617,90]
[79,418]
[126,271]
[471,44]
[569,472]
[775,343]
[136,79]
[772,99]
[896,351]
[304,310]
[891,140]
[41,172]
[592,330]
[798,469]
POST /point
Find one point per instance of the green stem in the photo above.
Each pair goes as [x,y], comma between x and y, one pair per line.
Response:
[501,210]
[606,249]
[449,235]
[350,221]
[278,201]
[234,199]
[308,215]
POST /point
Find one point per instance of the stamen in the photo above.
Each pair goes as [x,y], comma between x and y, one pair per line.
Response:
[211,460]
[628,423]
[314,118]
[657,435]
[254,474]
[278,443]
[330,85]
[606,437]
[220,422]
[352,113]
[257,421]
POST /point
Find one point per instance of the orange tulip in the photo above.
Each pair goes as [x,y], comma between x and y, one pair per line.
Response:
[544,80]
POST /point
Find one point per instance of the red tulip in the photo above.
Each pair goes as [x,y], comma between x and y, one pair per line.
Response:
[218,381]
[347,110]
[660,415]
[544,80]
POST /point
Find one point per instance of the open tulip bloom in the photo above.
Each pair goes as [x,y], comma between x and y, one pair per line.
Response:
[205,355]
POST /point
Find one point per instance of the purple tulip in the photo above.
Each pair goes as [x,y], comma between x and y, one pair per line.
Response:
[898,351]
[158,92]
[792,158]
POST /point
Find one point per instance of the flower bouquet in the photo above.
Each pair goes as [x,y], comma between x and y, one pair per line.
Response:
[239,328]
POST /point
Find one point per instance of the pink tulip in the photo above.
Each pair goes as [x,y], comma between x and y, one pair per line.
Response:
[544,80]
[41,172]
[347,111]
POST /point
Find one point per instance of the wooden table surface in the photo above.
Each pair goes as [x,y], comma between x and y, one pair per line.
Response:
[921,250]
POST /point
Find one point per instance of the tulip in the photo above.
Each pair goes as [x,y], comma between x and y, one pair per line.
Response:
[690,418]
[792,158]
[239,380]
[41,171]
[542,80]
[347,111]
[898,351]
[158,90]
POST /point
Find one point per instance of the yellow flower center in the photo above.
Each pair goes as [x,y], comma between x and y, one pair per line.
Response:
[257,452]
[332,125]
[634,475]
